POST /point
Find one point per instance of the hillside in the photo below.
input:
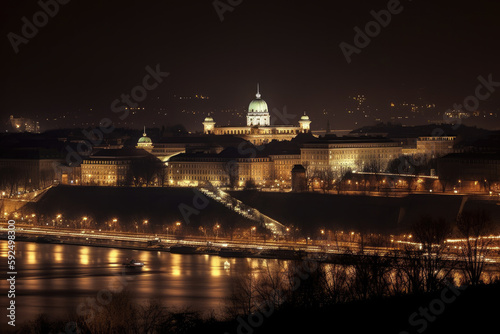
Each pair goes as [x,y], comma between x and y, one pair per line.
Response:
[129,205]
[314,211]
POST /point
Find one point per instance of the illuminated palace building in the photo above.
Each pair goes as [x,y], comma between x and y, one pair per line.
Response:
[231,167]
[354,153]
[223,156]
[228,167]
[273,165]
[111,167]
[259,129]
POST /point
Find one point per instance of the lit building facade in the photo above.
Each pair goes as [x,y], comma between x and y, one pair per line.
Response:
[111,167]
[191,171]
[227,168]
[283,165]
[353,153]
[435,146]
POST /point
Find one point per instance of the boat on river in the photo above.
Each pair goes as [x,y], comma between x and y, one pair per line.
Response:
[133,264]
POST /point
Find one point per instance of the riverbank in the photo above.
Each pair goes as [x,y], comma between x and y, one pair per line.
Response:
[339,253]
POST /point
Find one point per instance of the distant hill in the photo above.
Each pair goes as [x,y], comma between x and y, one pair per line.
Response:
[399,131]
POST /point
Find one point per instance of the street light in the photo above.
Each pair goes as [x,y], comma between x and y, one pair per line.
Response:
[251,230]
[217,226]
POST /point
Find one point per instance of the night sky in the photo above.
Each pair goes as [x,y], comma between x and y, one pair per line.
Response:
[91,52]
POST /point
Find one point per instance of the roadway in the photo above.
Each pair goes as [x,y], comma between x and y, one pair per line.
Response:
[140,241]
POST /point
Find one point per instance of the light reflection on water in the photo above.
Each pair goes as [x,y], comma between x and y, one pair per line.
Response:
[55,278]
[58,253]
[31,252]
[84,255]
[4,249]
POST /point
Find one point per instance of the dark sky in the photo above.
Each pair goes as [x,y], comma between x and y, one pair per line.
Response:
[92,51]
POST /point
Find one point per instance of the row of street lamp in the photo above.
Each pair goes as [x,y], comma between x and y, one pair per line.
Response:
[178,225]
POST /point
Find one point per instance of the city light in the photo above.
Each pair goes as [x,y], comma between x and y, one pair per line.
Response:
[297,168]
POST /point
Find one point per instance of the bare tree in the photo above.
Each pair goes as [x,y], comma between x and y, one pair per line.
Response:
[162,175]
[336,283]
[431,234]
[474,228]
[271,285]
[410,270]
[250,184]
[326,178]
[344,175]
[10,179]
[375,166]
[143,171]
[243,295]
[232,172]
[369,276]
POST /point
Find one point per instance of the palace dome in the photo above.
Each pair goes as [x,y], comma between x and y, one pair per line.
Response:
[144,140]
[257,105]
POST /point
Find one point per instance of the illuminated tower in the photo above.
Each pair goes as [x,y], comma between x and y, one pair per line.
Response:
[208,125]
[304,123]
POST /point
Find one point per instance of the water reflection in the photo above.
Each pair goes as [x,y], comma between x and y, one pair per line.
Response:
[58,254]
[215,266]
[113,257]
[57,277]
[176,261]
[4,247]
[84,255]
[31,252]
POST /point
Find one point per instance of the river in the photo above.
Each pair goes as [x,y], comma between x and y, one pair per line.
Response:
[56,278]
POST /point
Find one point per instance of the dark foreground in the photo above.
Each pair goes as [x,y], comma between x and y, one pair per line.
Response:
[475,310]
[469,310]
